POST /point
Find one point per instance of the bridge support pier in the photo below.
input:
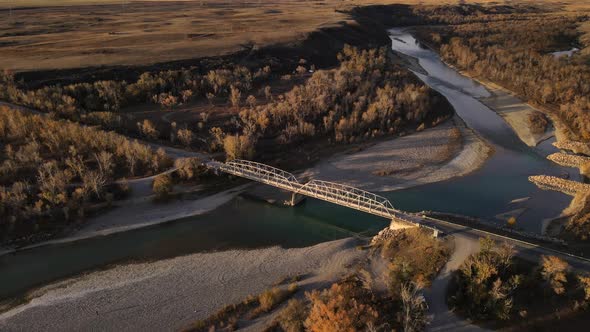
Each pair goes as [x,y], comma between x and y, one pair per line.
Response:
[295,199]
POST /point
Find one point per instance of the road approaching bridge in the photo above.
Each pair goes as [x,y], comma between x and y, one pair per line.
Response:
[336,193]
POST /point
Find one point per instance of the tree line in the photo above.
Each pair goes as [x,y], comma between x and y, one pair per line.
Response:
[166,88]
[50,170]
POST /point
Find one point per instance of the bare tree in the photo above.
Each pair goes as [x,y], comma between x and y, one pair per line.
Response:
[235,96]
[94,182]
[105,162]
[267,93]
[251,101]
[414,308]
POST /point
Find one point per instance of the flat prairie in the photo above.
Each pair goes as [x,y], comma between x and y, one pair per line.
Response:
[136,33]
[59,34]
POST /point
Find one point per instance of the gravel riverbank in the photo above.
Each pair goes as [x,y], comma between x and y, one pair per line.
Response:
[435,154]
[171,293]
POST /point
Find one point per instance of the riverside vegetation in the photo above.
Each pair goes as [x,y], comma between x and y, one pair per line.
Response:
[494,288]
[512,47]
[356,302]
[367,96]
[52,170]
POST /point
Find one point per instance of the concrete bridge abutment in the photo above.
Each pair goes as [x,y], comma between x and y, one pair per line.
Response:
[401,224]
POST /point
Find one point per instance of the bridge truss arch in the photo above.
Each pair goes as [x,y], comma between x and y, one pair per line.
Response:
[328,191]
[261,173]
[348,196]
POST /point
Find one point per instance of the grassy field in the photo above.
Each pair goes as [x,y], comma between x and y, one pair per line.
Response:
[57,34]
[149,32]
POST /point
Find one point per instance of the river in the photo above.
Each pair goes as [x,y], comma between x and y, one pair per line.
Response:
[244,223]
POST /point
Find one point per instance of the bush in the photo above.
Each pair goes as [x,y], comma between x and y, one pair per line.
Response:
[162,186]
[538,122]
[269,298]
[291,318]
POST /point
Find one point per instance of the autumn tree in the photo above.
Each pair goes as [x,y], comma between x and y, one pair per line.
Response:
[235,97]
[189,168]
[343,307]
[584,283]
[185,136]
[251,101]
[147,129]
[105,162]
[486,284]
[217,138]
[162,186]
[239,146]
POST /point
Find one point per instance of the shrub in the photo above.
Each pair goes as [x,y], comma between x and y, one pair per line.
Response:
[291,318]
[270,298]
[538,122]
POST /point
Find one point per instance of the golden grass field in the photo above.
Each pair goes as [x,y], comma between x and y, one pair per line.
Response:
[57,34]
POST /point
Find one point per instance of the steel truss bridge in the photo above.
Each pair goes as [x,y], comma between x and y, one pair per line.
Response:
[336,193]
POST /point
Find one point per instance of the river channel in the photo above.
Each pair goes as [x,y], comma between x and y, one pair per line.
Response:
[243,223]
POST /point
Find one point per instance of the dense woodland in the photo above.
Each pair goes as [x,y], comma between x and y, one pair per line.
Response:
[365,97]
[495,287]
[514,50]
[103,103]
[51,170]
